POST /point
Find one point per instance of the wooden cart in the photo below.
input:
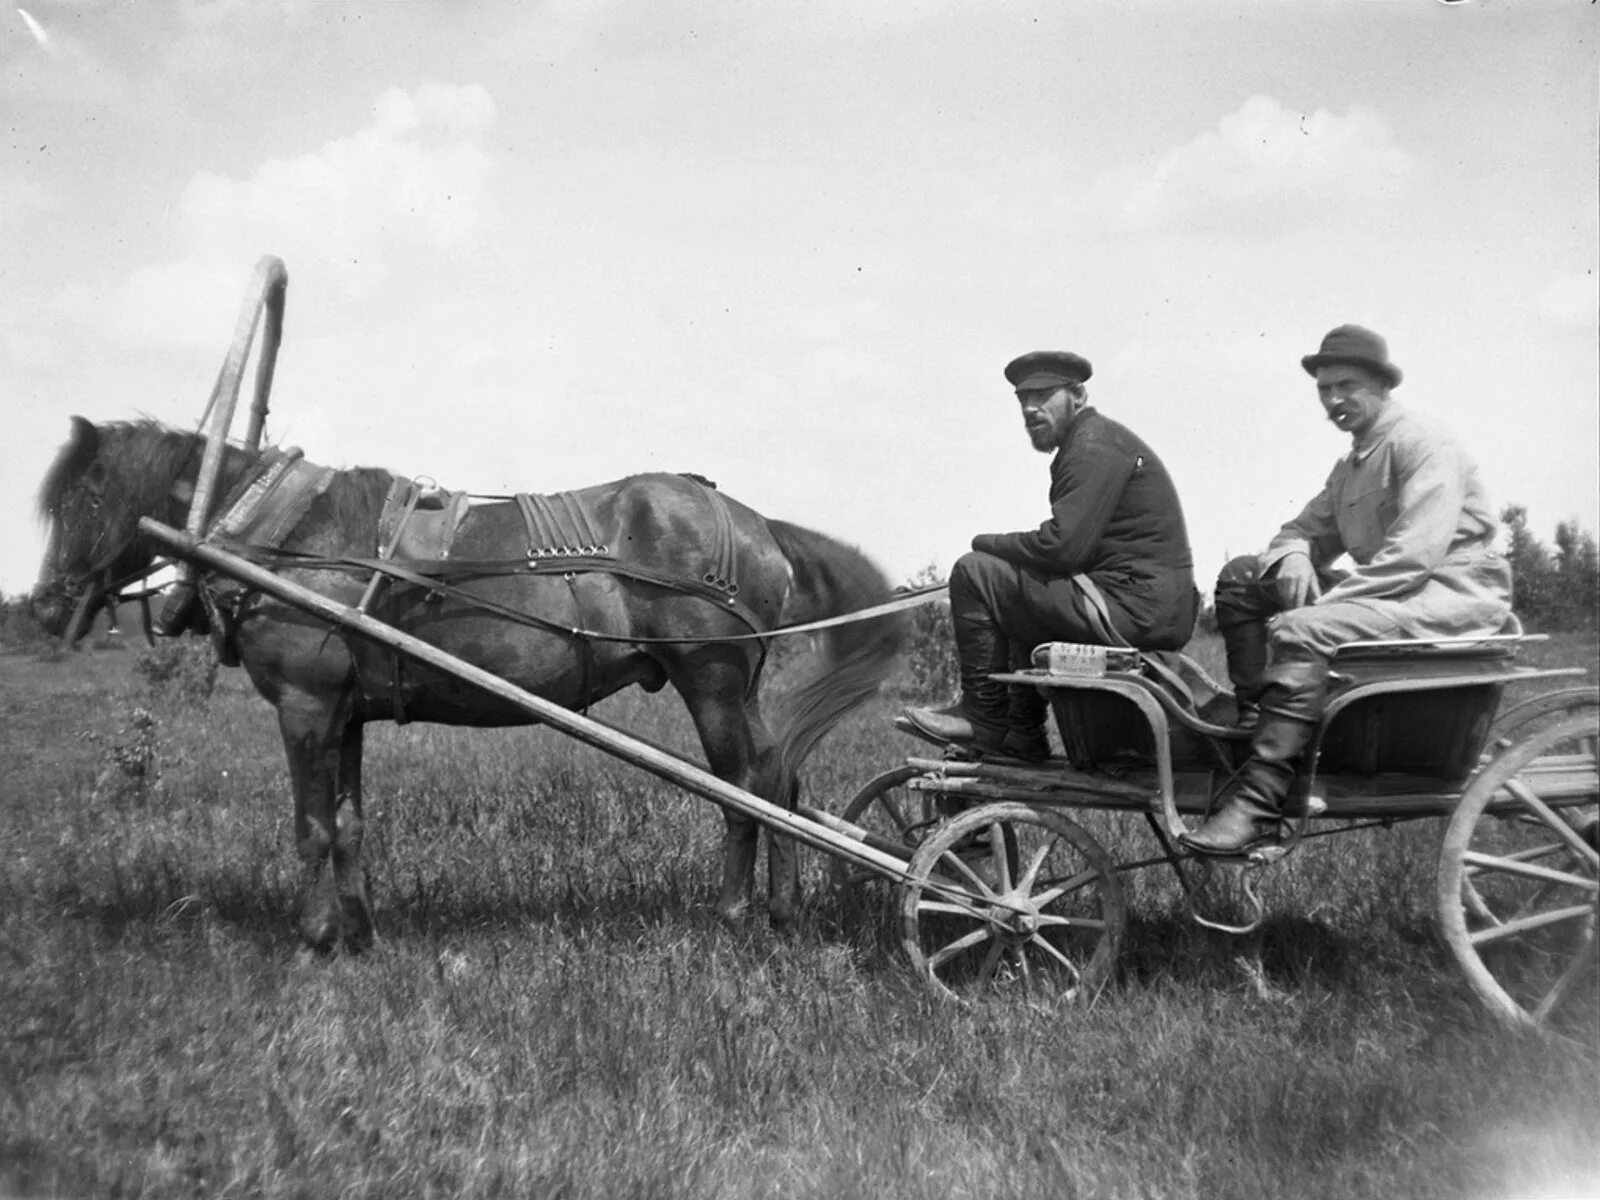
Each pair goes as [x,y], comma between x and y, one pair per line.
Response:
[1412,730]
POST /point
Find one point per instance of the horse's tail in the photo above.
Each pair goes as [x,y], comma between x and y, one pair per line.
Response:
[831,579]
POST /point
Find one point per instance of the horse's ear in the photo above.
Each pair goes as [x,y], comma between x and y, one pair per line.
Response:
[85,443]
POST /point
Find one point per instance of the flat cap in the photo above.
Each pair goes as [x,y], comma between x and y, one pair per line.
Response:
[1353,344]
[1047,368]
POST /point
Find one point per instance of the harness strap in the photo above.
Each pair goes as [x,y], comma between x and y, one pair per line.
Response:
[426,575]
[722,573]
[1099,612]
[247,495]
[557,527]
[403,493]
[588,540]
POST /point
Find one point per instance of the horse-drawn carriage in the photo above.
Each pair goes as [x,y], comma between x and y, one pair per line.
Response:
[999,885]
[1413,730]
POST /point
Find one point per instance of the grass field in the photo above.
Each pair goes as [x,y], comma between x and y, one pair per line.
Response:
[553,1011]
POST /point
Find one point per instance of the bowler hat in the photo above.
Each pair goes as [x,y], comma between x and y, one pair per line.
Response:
[1047,368]
[1353,344]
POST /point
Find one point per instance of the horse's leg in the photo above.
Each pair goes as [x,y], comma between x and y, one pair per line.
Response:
[350,879]
[740,751]
[713,688]
[783,863]
[313,727]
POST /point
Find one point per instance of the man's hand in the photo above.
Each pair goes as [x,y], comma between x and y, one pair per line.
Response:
[1297,580]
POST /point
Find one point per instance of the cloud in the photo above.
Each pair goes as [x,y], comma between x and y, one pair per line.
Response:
[1572,301]
[415,179]
[1262,158]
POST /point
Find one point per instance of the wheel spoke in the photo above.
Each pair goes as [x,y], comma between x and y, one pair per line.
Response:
[1072,883]
[1569,835]
[1064,921]
[991,960]
[1056,953]
[1538,921]
[1035,861]
[1569,979]
[961,944]
[965,868]
[1514,865]
[946,908]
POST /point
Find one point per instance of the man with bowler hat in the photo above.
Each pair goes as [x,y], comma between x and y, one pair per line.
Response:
[1407,506]
[1110,566]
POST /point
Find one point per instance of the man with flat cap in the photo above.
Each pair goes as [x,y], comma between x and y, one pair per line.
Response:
[1407,506]
[1110,566]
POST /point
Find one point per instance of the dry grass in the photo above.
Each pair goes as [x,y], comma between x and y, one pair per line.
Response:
[552,1010]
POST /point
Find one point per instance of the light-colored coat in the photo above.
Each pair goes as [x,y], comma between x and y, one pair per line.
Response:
[1409,508]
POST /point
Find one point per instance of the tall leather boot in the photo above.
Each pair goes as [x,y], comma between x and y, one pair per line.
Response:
[1246,645]
[979,718]
[1026,736]
[1292,699]
[1244,603]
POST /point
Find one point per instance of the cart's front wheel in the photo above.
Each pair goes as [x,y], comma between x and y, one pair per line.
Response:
[1519,877]
[890,811]
[1011,897]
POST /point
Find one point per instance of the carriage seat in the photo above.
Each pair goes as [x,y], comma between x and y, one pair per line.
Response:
[1419,706]
[1099,727]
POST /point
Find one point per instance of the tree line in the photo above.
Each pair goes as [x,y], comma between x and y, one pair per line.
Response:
[1555,589]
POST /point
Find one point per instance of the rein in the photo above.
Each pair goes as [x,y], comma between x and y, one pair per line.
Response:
[430,576]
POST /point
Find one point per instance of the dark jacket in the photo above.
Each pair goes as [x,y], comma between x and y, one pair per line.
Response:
[1115,516]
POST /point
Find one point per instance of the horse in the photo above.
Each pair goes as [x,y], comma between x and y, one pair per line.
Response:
[674,583]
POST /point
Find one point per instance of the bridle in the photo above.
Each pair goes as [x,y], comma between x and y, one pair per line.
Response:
[95,587]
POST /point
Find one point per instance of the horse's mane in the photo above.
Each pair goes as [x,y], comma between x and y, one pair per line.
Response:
[145,457]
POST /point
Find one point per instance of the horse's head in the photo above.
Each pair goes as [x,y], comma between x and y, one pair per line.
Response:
[104,479]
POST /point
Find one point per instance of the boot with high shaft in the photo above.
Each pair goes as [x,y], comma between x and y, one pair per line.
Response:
[1026,736]
[1246,645]
[1291,703]
[979,718]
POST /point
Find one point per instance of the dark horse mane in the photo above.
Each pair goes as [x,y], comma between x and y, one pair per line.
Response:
[151,457]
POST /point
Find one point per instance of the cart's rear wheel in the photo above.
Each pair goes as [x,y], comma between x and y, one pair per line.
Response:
[887,808]
[1514,723]
[1519,876]
[1011,897]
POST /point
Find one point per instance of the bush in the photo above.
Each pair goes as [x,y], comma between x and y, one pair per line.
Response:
[19,629]
[182,670]
[931,645]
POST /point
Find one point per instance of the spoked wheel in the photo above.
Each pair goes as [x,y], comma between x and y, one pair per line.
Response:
[1519,877]
[892,811]
[1011,897]
[1512,724]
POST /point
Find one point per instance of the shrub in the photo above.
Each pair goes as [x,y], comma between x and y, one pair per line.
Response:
[19,629]
[931,646]
[182,670]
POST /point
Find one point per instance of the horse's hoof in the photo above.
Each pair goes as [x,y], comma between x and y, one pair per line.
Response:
[359,931]
[321,936]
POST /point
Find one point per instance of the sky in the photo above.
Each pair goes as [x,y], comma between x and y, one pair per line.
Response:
[791,244]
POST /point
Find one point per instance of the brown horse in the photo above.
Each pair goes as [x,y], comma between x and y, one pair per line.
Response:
[495,609]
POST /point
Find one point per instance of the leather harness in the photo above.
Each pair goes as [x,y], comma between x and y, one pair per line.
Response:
[416,530]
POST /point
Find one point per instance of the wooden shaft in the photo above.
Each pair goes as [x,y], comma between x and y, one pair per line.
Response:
[851,846]
[275,283]
[226,397]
